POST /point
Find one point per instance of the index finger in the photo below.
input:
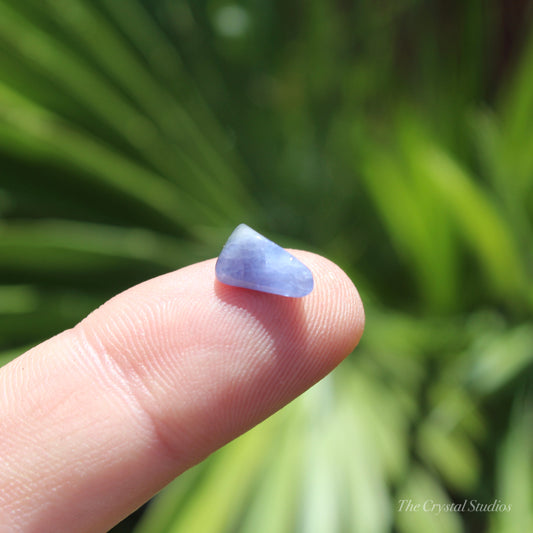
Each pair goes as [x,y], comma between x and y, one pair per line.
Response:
[99,418]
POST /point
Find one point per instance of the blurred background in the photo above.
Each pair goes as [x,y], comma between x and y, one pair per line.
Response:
[393,136]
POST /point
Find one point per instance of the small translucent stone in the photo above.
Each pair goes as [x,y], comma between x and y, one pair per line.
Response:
[252,261]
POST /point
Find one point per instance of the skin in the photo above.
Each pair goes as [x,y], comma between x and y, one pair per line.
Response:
[97,419]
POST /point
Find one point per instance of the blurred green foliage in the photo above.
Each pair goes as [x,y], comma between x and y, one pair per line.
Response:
[394,137]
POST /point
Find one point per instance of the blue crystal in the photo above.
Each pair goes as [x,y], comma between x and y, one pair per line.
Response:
[252,261]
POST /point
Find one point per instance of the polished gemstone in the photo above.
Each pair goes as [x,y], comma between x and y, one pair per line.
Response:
[252,261]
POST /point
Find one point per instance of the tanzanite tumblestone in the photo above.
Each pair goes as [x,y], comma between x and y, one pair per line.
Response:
[252,261]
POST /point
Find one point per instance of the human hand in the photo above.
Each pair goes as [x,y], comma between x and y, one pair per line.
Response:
[96,420]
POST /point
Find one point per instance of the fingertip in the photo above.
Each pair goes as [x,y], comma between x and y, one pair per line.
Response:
[336,311]
[297,341]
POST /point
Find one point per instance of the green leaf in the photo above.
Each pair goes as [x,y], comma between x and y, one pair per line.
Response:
[480,223]
[417,506]
[451,453]
[498,358]
[515,473]
[217,501]
[67,246]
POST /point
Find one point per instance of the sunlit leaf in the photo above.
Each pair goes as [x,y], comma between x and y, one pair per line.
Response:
[515,472]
